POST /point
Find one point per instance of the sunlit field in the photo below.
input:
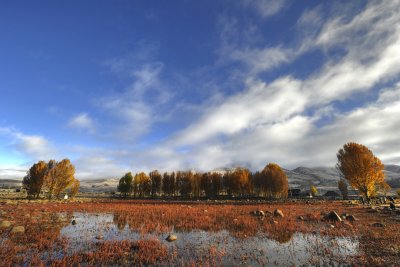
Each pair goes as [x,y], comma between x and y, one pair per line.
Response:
[208,233]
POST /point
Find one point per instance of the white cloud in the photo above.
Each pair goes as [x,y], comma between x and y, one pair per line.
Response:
[136,107]
[35,147]
[266,8]
[82,121]
[279,121]
[12,171]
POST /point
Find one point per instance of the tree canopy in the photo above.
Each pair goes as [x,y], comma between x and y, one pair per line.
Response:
[360,167]
[274,181]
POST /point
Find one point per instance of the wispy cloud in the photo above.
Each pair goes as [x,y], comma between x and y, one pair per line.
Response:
[266,8]
[279,121]
[82,121]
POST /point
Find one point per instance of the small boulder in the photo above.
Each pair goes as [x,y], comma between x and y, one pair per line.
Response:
[392,206]
[99,237]
[260,213]
[73,222]
[300,218]
[18,230]
[333,216]
[278,213]
[5,224]
[171,238]
[378,224]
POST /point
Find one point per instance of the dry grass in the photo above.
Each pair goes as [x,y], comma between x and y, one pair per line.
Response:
[379,246]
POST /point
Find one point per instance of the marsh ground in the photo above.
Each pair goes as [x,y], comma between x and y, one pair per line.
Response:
[209,233]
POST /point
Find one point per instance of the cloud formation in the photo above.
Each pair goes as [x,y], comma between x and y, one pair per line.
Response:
[82,121]
[253,104]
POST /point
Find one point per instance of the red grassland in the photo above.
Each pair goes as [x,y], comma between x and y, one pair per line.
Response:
[378,246]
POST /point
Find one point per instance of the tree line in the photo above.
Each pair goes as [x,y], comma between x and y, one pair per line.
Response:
[357,167]
[271,182]
[52,177]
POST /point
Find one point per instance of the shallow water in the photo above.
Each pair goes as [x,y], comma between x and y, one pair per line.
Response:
[299,250]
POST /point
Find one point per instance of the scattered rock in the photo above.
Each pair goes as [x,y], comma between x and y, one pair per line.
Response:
[278,213]
[333,216]
[5,224]
[73,222]
[18,230]
[171,238]
[260,213]
[378,224]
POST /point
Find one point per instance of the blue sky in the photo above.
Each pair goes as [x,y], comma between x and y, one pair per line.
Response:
[122,86]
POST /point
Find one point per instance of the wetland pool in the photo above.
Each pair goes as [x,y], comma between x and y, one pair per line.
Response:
[298,249]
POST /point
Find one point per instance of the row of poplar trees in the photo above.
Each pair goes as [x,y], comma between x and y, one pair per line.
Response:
[357,167]
[271,182]
[53,178]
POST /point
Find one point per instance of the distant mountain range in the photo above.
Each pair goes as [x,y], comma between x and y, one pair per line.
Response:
[328,177]
[325,178]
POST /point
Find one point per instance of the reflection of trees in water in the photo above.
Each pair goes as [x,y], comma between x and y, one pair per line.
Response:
[283,236]
[55,222]
[120,219]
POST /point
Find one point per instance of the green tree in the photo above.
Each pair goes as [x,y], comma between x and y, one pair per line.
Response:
[34,180]
[185,182]
[125,184]
[216,179]
[360,167]
[207,184]
[156,182]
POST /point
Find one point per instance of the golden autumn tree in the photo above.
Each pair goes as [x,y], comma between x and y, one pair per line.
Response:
[360,167]
[35,178]
[342,185]
[275,181]
[313,191]
[241,181]
[60,176]
[141,184]
[75,188]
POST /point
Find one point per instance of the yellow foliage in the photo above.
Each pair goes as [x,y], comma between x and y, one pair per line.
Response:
[360,167]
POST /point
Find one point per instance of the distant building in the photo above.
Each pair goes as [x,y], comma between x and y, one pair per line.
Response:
[332,195]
